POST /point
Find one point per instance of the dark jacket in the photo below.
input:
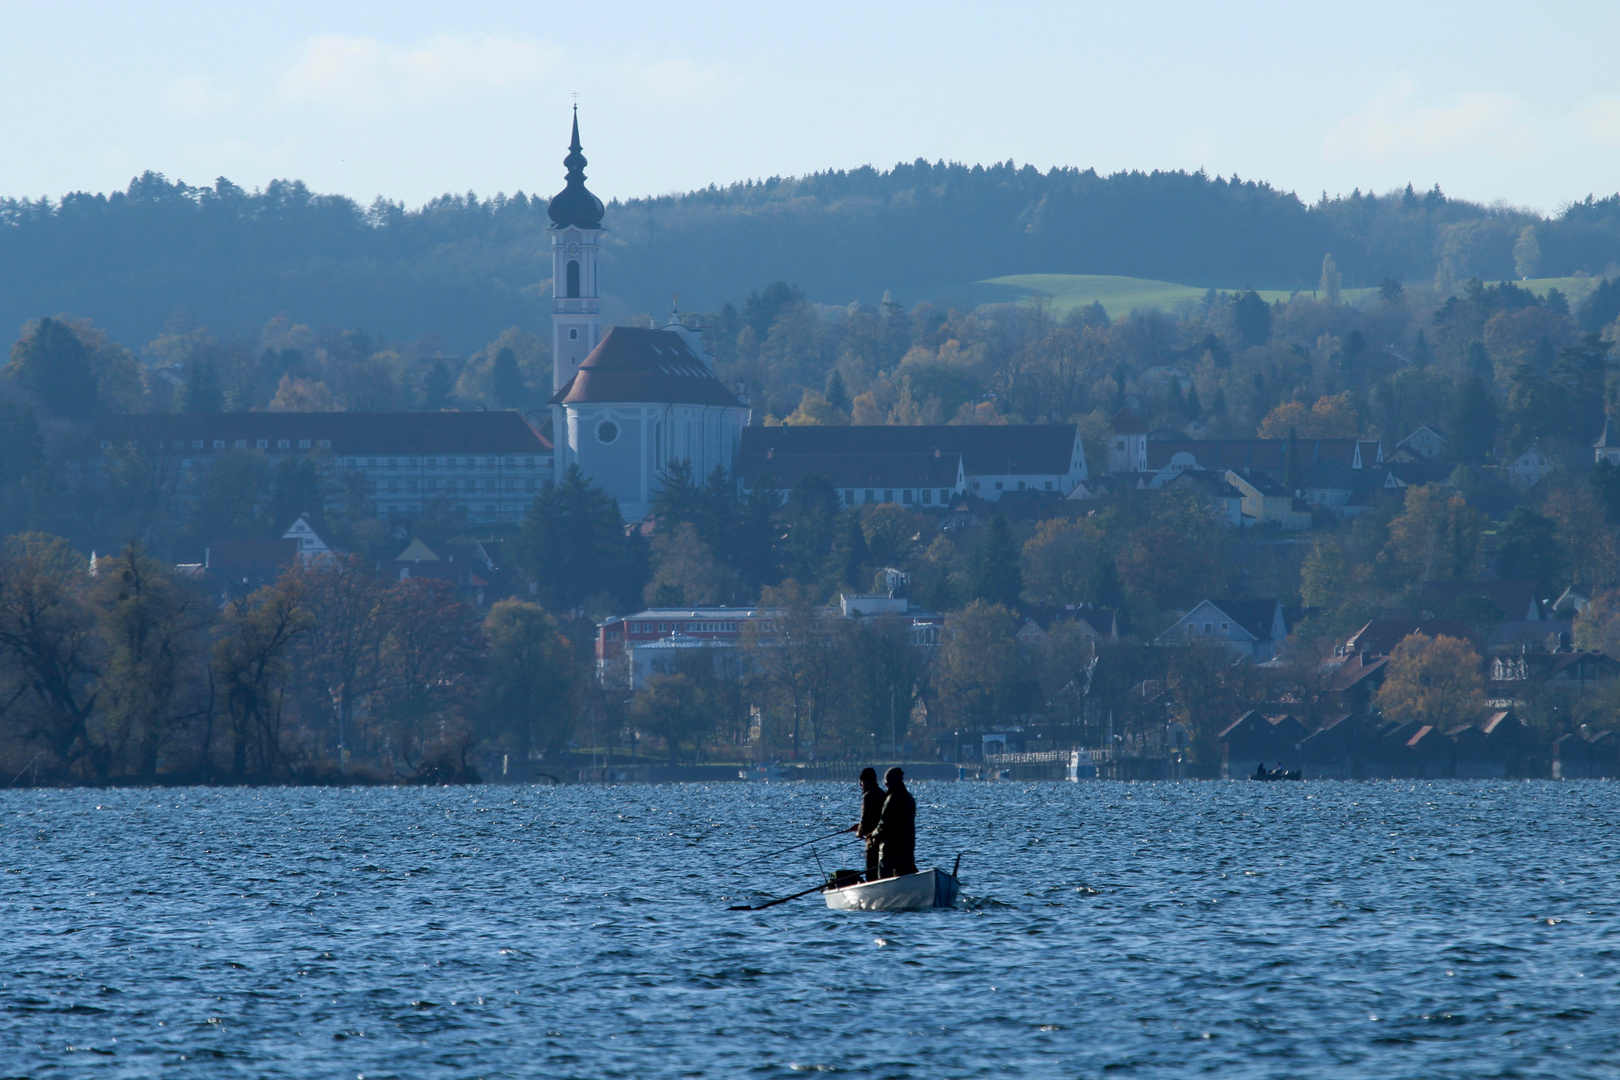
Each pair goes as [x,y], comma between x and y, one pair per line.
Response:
[871,811]
[897,825]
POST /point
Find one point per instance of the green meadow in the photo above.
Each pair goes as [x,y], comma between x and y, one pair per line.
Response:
[1122,295]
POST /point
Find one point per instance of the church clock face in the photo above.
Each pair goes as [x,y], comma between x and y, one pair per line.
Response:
[573,249]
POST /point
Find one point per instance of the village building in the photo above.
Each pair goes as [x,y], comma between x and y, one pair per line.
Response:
[1266,502]
[923,465]
[1606,447]
[1530,468]
[1425,442]
[480,467]
[1250,629]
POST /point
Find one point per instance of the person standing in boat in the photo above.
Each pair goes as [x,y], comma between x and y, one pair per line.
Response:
[871,810]
[896,831]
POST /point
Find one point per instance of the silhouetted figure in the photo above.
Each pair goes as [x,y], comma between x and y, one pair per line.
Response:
[896,831]
[872,797]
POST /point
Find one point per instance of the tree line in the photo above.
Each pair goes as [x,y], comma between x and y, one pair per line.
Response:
[461,268]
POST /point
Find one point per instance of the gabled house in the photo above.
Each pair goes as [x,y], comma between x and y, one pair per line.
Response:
[1573,600]
[1226,500]
[1251,629]
[1606,447]
[1425,442]
[1267,502]
[1096,624]
[1530,468]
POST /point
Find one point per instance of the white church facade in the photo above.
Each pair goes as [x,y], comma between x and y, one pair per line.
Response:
[628,402]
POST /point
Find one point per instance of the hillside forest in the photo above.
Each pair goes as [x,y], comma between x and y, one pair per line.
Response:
[126,673]
[455,272]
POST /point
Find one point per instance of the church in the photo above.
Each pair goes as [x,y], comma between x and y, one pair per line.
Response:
[628,402]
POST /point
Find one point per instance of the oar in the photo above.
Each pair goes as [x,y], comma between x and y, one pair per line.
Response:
[773,903]
[791,847]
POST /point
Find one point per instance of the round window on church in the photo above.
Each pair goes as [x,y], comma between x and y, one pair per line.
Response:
[607,431]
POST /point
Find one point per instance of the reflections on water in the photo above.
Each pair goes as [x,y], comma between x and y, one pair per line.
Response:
[1288,930]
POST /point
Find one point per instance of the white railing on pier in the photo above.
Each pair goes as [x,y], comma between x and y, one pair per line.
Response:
[1046,757]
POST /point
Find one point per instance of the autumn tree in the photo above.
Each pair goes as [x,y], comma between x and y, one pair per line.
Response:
[1062,664]
[888,667]
[980,676]
[672,708]
[153,630]
[51,656]
[685,571]
[252,667]
[1436,537]
[530,689]
[1175,555]
[429,673]
[340,657]
[1435,681]
[1068,562]
[1597,626]
[1330,417]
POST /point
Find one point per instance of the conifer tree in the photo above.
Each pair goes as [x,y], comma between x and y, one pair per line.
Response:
[994,574]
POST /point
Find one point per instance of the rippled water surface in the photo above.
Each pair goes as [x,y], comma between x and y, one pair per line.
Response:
[1251,930]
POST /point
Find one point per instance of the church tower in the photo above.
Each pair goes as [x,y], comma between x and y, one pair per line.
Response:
[576,305]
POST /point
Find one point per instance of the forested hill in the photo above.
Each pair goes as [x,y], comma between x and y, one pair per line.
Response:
[465,268]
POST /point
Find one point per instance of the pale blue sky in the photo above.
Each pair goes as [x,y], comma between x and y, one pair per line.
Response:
[1519,101]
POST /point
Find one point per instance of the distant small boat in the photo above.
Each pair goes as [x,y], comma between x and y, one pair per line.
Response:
[1278,774]
[933,888]
[769,772]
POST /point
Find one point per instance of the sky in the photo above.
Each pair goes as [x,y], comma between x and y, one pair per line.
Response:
[1517,102]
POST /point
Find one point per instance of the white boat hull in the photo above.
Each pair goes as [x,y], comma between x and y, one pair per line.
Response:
[914,892]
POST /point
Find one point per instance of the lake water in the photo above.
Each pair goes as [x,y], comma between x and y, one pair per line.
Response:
[1441,929]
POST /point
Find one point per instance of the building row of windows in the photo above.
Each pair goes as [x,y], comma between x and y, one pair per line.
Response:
[226,444]
[1023,485]
[349,462]
[478,484]
[648,627]
[1209,629]
[440,463]
[854,496]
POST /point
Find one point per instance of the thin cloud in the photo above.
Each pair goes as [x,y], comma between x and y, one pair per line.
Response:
[197,97]
[1599,121]
[365,74]
[675,77]
[1392,126]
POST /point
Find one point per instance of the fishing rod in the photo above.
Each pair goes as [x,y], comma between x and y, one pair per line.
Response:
[791,847]
[773,903]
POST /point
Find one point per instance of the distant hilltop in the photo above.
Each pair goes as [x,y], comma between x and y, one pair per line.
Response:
[464,267]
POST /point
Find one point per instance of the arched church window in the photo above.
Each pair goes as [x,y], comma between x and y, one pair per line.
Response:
[573,334]
[573,279]
[607,431]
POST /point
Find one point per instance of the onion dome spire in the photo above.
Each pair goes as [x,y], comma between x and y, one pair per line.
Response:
[574,205]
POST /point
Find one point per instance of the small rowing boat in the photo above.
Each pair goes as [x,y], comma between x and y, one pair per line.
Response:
[911,892]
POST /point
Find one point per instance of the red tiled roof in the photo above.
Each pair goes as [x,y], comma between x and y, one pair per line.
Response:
[636,364]
[1126,422]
